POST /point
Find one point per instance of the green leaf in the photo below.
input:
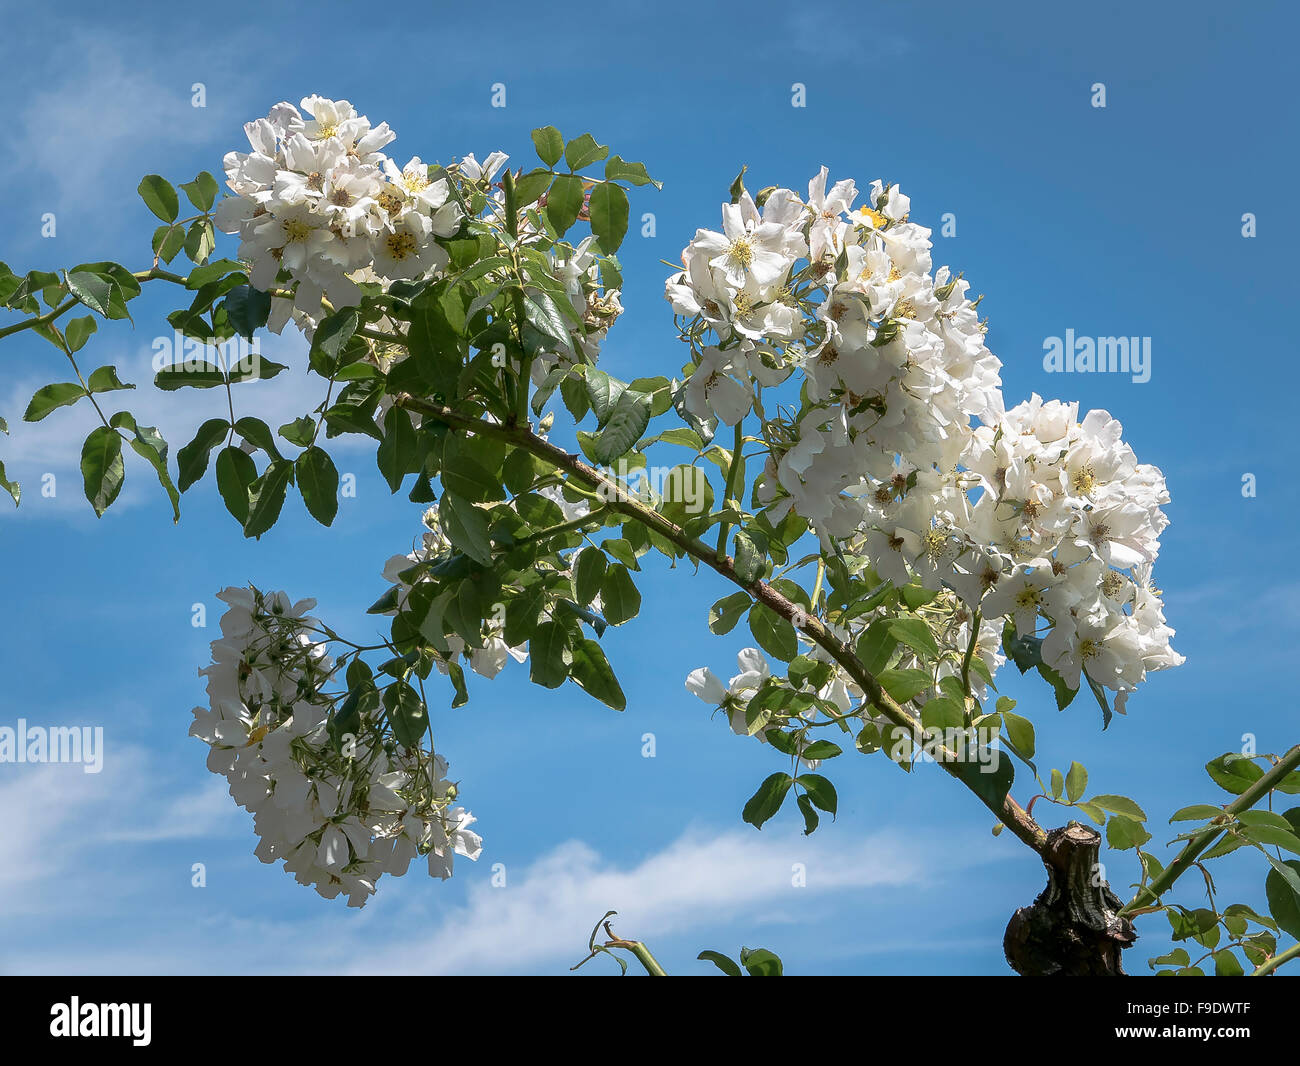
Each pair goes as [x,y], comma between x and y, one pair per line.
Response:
[811,819]
[775,635]
[1196,812]
[1076,781]
[11,487]
[148,443]
[942,712]
[236,473]
[266,497]
[1282,887]
[876,645]
[619,169]
[549,145]
[588,573]
[1271,834]
[1058,784]
[466,527]
[518,471]
[102,469]
[436,336]
[167,242]
[602,392]
[78,331]
[764,803]
[318,480]
[738,185]
[582,151]
[1020,731]
[407,714]
[1120,805]
[1233,773]
[760,963]
[722,962]
[820,791]
[609,213]
[543,315]
[1064,694]
[626,423]
[247,310]
[93,290]
[549,657]
[200,239]
[194,374]
[159,196]
[1123,832]
[257,433]
[192,460]
[821,749]
[904,685]
[915,633]
[750,563]
[201,192]
[1226,964]
[300,432]
[104,379]
[398,454]
[592,671]
[334,332]
[989,775]
[564,202]
[619,595]
[724,614]
[50,397]
[349,418]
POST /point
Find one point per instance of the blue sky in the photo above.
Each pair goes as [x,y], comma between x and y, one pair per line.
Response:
[1117,221]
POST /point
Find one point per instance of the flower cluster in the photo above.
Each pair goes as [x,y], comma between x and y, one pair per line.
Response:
[897,447]
[321,210]
[339,809]
[318,205]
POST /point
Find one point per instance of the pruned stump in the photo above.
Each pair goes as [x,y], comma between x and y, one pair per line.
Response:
[1073,928]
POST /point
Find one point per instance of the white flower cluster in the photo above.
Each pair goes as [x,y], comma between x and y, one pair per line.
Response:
[318,199]
[320,210]
[339,816]
[900,448]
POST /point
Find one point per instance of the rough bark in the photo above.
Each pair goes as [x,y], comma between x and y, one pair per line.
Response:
[1073,928]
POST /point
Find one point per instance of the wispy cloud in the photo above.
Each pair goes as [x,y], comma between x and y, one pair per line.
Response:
[84,130]
[538,920]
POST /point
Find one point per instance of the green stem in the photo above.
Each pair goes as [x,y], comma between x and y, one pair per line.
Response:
[1269,965]
[40,320]
[646,959]
[564,527]
[1193,848]
[733,469]
[970,652]
[1010,813]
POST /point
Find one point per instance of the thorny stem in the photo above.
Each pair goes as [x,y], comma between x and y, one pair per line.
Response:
[1010,813]
[1269,965]
[1193,848]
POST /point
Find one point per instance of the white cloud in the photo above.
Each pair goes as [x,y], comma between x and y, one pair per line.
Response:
[84,129]
[64,821]
[702,884]
[546,911]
